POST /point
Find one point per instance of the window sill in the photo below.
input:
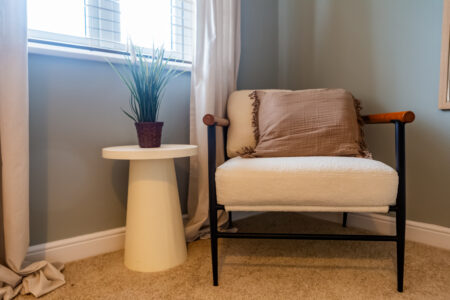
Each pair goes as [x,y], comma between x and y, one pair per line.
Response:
[82,54]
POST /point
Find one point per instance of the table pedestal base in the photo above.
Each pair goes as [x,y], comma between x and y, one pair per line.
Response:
[155,239]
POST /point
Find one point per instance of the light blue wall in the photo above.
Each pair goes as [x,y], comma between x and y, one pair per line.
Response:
[259,51]
[74,113]
[387,53]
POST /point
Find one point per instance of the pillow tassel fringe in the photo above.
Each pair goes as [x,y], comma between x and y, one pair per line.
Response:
[364,152]
[249,152]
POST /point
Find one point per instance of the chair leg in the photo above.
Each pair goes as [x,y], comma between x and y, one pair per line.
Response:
[214,259]
[214,250]
[230,219]
[400,222]
[400,215]
[344,220]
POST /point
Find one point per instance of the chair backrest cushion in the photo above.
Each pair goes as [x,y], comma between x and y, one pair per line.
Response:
[241,136]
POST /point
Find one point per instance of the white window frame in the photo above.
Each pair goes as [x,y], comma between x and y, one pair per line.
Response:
[73,47]
[89,55]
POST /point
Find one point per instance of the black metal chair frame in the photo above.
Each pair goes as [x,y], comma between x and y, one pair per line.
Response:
[399,208]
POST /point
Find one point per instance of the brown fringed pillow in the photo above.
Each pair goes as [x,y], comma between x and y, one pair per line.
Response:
[318,122]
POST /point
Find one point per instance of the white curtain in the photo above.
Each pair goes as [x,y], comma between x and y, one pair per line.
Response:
[16,276]
[214,74]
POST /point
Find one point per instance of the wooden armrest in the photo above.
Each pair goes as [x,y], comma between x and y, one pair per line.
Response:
[402,116]
[211,120]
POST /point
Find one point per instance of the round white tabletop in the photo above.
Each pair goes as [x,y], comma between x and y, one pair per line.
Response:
[134,152]
[154,239]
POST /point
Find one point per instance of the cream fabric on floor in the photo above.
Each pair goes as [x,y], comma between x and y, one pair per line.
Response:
[214,73]
[17,277]
[306,181]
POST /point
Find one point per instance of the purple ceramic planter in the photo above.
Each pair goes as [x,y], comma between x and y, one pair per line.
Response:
[149,134]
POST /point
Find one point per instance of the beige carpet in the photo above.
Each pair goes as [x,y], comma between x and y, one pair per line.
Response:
[270,269]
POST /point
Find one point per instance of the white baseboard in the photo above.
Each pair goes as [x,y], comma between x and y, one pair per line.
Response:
[79,247]
[102,242]
[429,234]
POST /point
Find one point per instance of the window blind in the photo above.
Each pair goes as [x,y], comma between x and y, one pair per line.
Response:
[102,24]
[182,27]
[107,25]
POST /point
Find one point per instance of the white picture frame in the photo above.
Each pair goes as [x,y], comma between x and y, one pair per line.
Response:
[444,86]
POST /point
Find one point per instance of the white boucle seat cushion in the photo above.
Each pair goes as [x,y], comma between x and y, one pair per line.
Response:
[314,183]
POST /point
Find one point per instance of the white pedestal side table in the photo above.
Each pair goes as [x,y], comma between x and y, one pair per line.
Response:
[154,239]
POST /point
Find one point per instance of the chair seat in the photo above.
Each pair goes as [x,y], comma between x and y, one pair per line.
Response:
[318,183]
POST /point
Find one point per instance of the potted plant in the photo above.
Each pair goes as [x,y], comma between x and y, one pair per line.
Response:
[146,78]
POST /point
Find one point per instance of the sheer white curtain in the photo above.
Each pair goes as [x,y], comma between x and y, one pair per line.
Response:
[16,276]
[214,75]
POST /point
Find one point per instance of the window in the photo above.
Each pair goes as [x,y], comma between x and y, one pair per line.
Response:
[107,25]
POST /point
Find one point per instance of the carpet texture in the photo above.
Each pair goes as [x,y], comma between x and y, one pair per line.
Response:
[270,269]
